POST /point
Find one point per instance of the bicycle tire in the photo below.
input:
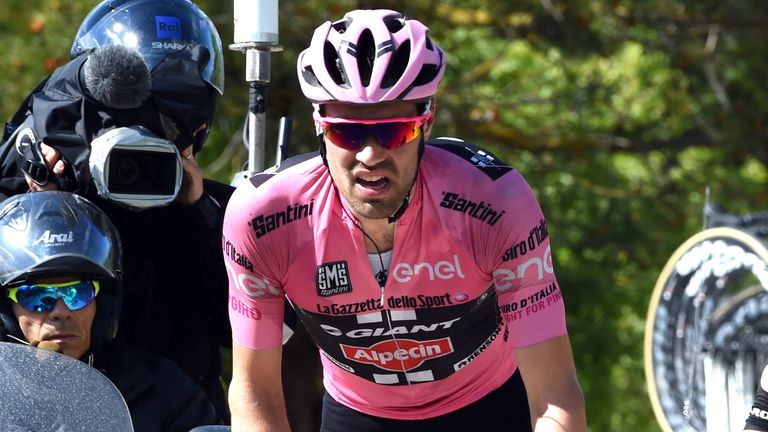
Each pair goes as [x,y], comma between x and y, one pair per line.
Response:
[706,274]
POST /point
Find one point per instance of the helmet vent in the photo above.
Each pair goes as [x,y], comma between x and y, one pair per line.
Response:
[366,54]
[426,75]
[51,210]
[309,76]
[428,43]
[397,65]
[341,26]
[333,65]
[394,23]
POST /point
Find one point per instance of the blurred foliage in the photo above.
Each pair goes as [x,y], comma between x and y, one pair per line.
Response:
[619,113]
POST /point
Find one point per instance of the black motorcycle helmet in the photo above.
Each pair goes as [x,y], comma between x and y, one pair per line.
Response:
[55,233]
[182,48]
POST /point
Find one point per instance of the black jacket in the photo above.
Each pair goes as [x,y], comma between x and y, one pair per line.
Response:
[175,285]
[175,282]
[160,397]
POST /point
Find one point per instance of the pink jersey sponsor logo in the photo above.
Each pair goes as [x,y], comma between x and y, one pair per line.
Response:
[264,224]
[243,309]
[478,351]
[399,355]
[424,301]
[333,279]
[481,211]
[534,268]
[389,331]
[444,270]
[536,236]
[367,305]
[251,285]
[231,252]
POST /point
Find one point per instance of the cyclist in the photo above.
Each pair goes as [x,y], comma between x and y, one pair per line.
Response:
[175,283]
[422,270]
[61,285]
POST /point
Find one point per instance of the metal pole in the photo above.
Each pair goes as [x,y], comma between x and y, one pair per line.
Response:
[256,34]
[283,139]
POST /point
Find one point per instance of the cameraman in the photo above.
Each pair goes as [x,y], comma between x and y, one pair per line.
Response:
[121,124]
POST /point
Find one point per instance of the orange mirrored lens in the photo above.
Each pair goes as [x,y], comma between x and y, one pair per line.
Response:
[389,135]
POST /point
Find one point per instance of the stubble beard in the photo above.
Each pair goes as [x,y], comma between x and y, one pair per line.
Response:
[377,208]
[374,209]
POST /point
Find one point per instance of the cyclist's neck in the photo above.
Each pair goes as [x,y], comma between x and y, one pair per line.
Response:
[379,234]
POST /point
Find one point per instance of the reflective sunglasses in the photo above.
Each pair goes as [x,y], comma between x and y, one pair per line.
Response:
[43,297]
[350,134]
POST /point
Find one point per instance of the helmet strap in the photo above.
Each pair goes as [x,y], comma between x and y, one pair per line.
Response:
[400,210]
[323,150]
[406,201]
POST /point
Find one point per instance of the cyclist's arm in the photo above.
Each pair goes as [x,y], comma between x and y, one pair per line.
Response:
[554,394]
[256,391]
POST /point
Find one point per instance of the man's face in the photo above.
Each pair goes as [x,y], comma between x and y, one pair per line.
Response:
[70,329]
[374,180]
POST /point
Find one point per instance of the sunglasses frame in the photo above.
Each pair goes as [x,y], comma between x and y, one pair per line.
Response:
[322,123]
[12,292]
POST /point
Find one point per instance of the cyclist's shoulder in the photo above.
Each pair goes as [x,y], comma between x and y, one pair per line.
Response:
[286,174]
[468,169]
[283,184]
[465,159]
[472,181]
[287,171]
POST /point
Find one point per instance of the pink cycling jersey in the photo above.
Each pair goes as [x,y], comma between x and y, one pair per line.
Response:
[470,280]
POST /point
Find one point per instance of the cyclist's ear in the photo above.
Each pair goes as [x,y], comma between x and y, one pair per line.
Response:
[427,127]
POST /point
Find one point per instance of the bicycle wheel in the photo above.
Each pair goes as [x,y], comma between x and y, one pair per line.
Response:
[706,330]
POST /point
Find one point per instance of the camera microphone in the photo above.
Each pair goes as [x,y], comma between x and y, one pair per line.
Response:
[129,164]
[116,76]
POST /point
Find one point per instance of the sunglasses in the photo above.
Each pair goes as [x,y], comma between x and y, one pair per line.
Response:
[43,297]
[350,134]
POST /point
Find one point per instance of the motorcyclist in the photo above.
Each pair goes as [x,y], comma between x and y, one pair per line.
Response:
[61,286]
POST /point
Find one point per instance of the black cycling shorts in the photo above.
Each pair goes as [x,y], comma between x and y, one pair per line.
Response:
[505,408]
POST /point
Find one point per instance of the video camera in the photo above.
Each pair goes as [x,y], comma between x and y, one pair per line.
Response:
[133,167]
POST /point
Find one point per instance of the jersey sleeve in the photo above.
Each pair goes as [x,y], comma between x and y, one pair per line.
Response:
[530,300]
[254,266]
